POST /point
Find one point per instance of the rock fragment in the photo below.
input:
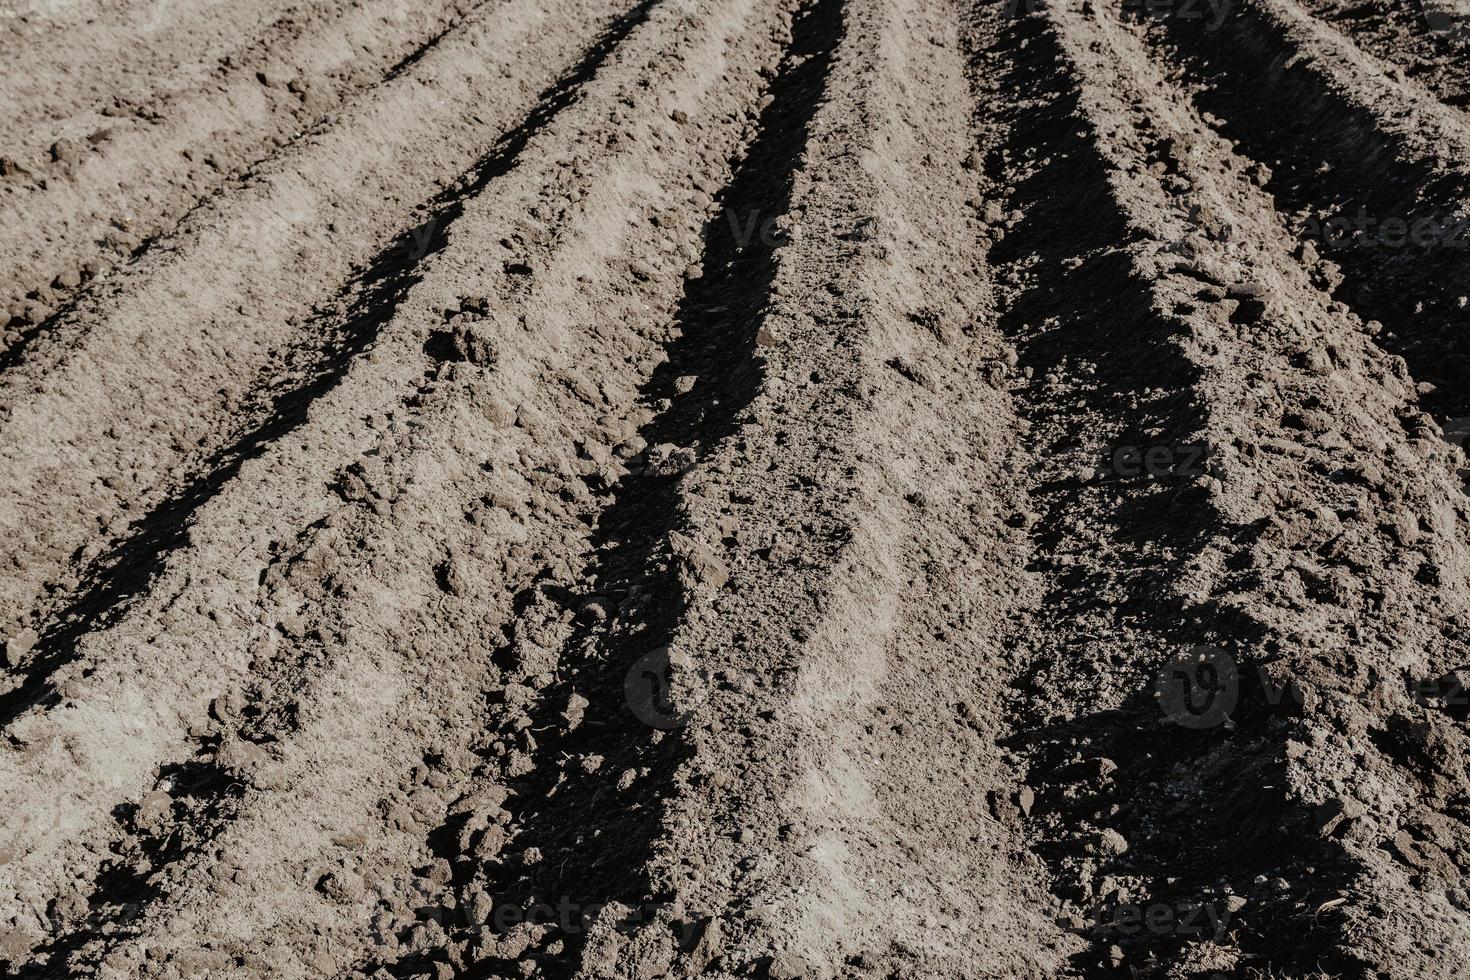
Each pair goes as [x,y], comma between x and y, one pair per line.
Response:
[18,645]
[1111,843]
[698,565]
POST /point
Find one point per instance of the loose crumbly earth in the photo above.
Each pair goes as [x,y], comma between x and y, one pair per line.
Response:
[734,488]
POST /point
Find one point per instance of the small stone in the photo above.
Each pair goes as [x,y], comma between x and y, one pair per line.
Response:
[1335,814]
[576,711]
[340,887]
[697,563]
[679,116]
[787,967]
[1245,290]
[1317,362]
[1112,843]
[65,151]
[1026,799]
[18,645]
[667,459]
[154,808]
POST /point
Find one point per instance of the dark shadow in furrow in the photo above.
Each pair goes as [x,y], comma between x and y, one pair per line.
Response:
[1234,833]
[417,54]
[203,798]
[11,356]
[1329,157]
[717,319]
[127,569]
[1426,43]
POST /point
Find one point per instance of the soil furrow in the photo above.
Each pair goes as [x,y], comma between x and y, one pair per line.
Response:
[172,46]
[124,685]
[1245,443]
[346,782]
[346,328]
[89,188]
[617,758]
[1376,189]
[142,408]
[826,531]
[88,50]
[1106,548]
[1427,40]
[746,489]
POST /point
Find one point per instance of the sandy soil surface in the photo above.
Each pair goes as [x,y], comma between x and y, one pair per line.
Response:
[773,489]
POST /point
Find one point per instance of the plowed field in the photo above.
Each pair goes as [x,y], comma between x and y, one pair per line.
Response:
[774,489]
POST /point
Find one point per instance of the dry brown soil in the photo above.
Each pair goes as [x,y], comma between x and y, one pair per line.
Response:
[760,489]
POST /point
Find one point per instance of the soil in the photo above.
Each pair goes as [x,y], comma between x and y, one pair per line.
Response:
[759,489]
